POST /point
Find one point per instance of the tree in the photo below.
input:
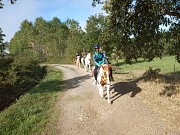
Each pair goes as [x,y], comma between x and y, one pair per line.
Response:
[75,39]
[24,40]
[11,1]
[41,28]
[95,27]
[3,45]
[136,25]
[56,38]
[175,40]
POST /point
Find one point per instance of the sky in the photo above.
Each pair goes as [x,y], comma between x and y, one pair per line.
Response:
[11,16]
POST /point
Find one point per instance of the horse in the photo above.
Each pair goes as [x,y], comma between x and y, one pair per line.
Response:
[104,79]
[83,61]
[88,62]
[78,63]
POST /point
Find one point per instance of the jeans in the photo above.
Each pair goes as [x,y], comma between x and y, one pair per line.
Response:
[95,72]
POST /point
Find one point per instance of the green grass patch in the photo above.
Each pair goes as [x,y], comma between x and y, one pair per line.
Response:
[34,110]
[167,64]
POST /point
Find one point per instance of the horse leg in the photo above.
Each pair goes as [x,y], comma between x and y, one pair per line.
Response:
[85,67]
[79,65]
[92,72]
[108,93]
[82,62]
[89,67]
[100,90]
[108,86]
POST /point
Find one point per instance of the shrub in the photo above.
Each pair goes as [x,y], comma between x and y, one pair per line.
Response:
[153,73]
[18,76]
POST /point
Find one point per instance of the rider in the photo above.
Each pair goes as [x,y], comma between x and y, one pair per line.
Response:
[77,55]
[99,60]
[84,54]
[106,61]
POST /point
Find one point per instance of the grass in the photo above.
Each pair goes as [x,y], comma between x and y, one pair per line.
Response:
[34,110]
[169,72]
[166,64]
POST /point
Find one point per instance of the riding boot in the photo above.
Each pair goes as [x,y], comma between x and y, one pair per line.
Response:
[95,75]
[92,72]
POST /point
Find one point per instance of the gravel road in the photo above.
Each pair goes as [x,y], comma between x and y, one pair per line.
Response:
[84,112]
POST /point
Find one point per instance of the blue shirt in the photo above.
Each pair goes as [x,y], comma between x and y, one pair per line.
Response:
[98,58]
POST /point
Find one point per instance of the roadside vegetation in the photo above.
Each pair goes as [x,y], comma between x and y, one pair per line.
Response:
[166,64]
[31,113]
[17,76]
[156,83]
[164,71]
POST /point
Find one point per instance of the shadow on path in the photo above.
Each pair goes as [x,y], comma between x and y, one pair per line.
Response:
[75,82]
[122,88]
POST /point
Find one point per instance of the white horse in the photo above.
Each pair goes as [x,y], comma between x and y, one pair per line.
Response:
[83,61]
[78,64]
[103,79]
[88,62]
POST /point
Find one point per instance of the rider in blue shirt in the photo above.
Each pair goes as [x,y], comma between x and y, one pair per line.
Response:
[98,59]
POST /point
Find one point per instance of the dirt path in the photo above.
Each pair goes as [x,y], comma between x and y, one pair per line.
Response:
[84,112]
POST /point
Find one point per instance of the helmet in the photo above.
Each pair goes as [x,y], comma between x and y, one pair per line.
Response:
[96,47]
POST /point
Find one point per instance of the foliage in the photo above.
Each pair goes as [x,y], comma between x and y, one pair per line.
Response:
[6,75]
[170,91]
[175,40]
[93,30]
[3,45]
[44,40]
[11,1]
[131,28]
[36,106]
[152,73]
[97,32]
[74,42]
[136,25]
[28,72]
[16,77]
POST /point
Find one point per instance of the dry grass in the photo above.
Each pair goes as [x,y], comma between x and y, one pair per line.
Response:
[162,94]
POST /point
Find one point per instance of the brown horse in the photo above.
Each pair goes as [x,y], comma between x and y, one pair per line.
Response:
[103,79]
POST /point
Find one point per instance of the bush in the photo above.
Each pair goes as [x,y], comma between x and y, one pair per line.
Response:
[18,76]
[153,73]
